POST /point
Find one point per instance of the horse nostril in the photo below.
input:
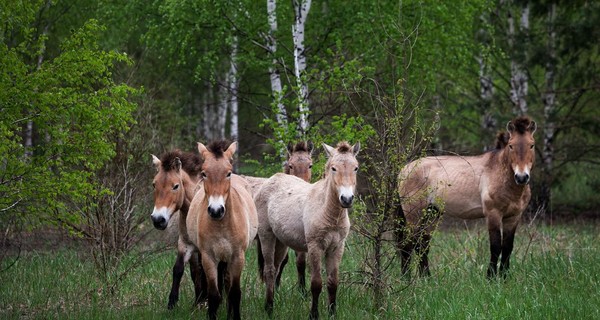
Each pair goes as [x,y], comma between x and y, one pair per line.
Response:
[522,178]
[347,201]
[159,222]
[216,213]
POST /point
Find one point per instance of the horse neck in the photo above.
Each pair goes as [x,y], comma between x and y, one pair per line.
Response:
[333,211]
[189,187]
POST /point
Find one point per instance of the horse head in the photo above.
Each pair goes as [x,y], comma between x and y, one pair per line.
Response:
[299,162]
[341,169]
[521,152]
[216,173]
[168,189]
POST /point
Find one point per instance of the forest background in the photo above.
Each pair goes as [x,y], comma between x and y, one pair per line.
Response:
[89,89]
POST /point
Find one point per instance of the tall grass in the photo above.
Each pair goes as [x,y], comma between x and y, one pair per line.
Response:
[555,274]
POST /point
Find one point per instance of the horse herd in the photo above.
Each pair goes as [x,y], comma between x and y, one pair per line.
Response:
[222,213]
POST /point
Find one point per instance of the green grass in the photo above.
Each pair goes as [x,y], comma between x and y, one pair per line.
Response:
[555,274]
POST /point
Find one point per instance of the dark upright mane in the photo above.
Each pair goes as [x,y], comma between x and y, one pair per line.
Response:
[301,146]
[343,147]
[191,162]
[521,124]
[218,147]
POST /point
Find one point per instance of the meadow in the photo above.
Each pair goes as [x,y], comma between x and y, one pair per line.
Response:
[555,274]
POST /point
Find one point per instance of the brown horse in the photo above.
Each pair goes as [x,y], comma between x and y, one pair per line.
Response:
[493,185]
[299,164]
[222,222]
[174,183]
[309,218]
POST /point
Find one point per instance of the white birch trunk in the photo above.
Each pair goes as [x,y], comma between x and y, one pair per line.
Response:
[276,87]
[486,85]
[222,104]
[206,115]
[233,81]
[549,97]
[518,78]
[301,9]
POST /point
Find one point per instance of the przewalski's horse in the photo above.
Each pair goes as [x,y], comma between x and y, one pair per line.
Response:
[174,185]
[309,218]
[299,164]
[222,222]
[493,185]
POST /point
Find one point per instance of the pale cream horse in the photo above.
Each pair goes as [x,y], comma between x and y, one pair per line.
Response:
[221,223]
[493,185]
[309,218]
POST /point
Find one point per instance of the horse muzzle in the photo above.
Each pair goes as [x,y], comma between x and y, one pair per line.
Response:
[346,201]
[159,222]
[216,213]
[521,179]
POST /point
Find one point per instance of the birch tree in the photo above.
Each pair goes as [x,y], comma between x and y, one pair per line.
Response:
[518,76]
[301,9]
[276,87]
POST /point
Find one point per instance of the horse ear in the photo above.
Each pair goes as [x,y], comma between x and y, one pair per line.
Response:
[310,147]
[177,163]
[532,127]
[356,148]
[510,127]
[231,150]
[156,162]
[202,149]
[289,150]
[329,150]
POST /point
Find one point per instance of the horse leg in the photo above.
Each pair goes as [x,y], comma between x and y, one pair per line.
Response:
[316,284]
[332,265]
[214,296]
[280,270]
[198,277]
[509,227]
[178,270]
[423,253]
[493,222]
[301,268]
[234,296]
[268,243]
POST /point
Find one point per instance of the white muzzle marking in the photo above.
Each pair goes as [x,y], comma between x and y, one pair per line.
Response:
[161,212]
[216,202]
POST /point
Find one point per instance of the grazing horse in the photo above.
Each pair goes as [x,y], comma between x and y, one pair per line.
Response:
[174,184]
[493,185]
[299,164]
[222,223]
[309,218]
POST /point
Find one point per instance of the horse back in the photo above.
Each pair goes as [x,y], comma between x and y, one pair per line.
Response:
[244,208]
[280,203]
[451,184]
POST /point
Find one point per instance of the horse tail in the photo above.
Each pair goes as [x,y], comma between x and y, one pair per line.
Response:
[260,259]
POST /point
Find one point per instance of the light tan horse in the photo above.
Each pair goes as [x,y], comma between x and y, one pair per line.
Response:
[309,218]
[174,185]
[222,222]
[299,164]
[493,185]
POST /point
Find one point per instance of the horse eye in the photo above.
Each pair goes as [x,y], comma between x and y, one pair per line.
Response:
[153,185]
[355,169]
[175,187]
[203,174]
[510,146]
[310,166]
[228,174]
[532,146]
[333,169]
[290,166]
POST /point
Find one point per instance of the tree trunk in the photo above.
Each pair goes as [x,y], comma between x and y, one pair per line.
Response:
[518,78]
[233,81]
[276,87]
[301,9]
[489,124]
[549,100]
